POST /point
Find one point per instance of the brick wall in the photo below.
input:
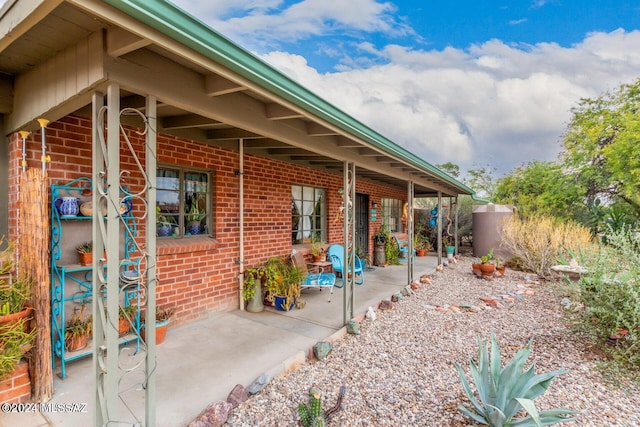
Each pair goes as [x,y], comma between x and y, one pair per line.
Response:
[199,275]
[17,387]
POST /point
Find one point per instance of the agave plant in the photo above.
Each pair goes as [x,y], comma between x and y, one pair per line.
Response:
[502,393]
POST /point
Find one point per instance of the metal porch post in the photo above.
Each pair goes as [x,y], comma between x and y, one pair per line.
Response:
[440,213]
[410,231]
[349,232]
[150,279]
[107,236]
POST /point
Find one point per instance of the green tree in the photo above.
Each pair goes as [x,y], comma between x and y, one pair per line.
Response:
[601,147]
[450,168]
[481,181]
[541,188]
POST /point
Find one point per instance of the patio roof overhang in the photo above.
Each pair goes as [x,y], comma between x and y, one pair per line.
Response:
[55,54]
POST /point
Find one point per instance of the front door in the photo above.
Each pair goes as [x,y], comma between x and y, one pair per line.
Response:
[362,223]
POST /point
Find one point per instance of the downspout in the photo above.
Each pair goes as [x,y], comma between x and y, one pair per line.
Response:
[240,174]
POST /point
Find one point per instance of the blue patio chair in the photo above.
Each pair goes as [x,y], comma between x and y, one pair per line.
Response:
[402,240]
[314,279]
[336,255]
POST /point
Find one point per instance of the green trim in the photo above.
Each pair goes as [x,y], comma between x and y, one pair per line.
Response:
[194,34]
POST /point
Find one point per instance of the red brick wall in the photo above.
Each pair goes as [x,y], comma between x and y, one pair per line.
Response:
[17,387]
[199,275]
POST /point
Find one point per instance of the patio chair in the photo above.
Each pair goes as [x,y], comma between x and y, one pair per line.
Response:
[336,255]
[402,240]
[315,279]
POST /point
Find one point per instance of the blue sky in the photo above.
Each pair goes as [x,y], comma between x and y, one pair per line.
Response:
[477,83]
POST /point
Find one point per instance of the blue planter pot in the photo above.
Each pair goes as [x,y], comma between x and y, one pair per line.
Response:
[164,231]
[280,304]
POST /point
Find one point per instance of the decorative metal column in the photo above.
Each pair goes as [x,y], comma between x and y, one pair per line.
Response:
[349,232]
[440,228]
[410,231]
[150,272]
[122,375]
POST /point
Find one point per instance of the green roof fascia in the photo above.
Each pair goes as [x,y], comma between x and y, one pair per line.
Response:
[194,34]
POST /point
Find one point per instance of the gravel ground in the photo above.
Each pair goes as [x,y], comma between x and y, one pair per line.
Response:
[399,371]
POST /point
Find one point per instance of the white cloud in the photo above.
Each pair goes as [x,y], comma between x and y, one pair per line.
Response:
[491,104]
[266,22]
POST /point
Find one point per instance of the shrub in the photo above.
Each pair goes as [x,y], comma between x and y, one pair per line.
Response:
[503,392]
[539,242]
[610,293]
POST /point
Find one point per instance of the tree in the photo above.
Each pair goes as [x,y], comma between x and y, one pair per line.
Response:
[601,147]
[450,168]
[541,188]
[481,181]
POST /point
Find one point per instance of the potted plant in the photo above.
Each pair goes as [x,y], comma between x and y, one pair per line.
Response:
[287,288]
[194,216]
[126,318]
[449,247]
[15,342]
[77,331]
[163,318]
[15,293]
[317,251]
[487,265]
[85,253]
[252,290]
[163,226]
[475,266]
[500,267]
[380,239]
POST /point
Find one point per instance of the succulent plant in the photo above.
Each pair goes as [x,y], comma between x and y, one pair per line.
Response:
[503,392]
[312,415]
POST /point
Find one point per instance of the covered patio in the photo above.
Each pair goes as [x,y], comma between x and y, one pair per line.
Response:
[231,348]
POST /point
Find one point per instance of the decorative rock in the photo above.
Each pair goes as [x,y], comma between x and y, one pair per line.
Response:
[258,384]
[407,291]
[415,286]
[394,298]
[371,314]
[353,327]
[442,310]
[322,349]
[214,415]
[238,395]
[425,279]
[385,304]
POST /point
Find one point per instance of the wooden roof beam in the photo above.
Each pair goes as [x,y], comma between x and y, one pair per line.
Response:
[214,85]
[275,111]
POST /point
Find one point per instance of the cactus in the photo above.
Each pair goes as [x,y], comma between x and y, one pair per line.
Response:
[312,415]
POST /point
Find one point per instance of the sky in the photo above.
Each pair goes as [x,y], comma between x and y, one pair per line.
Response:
[483,83]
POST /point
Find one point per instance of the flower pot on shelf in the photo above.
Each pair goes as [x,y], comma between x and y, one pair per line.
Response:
[76,342]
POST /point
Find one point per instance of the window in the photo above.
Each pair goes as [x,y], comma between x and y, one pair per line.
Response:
[184,202]
[392,213]
[308,216]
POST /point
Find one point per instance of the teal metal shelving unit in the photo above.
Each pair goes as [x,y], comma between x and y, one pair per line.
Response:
[71,283]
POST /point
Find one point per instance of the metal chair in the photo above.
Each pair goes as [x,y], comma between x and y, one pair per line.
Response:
[336,255]
[313,279]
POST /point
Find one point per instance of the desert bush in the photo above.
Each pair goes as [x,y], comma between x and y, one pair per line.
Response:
[540,241]
[610,294]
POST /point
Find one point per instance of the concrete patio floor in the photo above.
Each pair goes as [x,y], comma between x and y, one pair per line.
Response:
[201,362]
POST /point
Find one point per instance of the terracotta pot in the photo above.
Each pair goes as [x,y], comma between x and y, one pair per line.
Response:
[487,269]
[9,319]
[501,270]
[123,326]
[85,258]
[75,342]
[161,332]
[421,252]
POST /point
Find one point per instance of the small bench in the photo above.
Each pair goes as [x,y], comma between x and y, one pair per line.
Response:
[402,240]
